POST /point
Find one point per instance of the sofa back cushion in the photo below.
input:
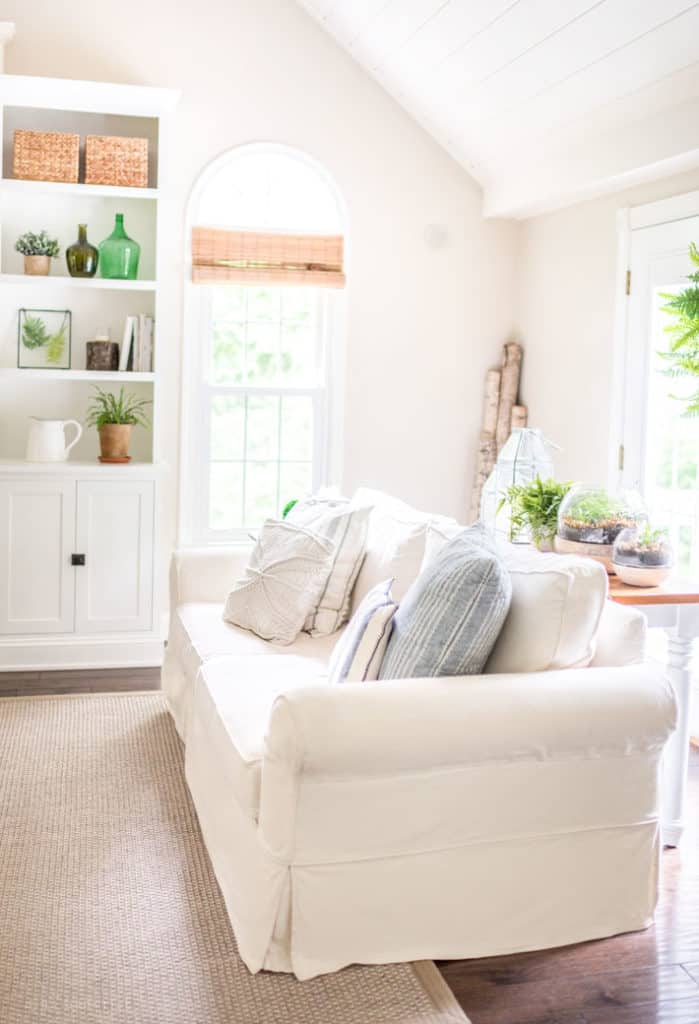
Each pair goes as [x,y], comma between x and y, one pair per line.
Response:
[395,546]
[450,618]
[554,616]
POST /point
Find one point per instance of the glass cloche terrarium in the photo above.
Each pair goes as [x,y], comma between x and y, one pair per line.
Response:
[642,556]
[525,457]
[590,519]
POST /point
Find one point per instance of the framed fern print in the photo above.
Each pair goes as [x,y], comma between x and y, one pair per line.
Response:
[43,339]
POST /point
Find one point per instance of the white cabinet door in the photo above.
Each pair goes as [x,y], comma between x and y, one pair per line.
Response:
[114,531]
[37,524]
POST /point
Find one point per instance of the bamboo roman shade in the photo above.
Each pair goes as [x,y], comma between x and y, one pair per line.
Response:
[255,257]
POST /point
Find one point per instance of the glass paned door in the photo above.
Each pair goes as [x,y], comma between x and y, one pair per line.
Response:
[661,444]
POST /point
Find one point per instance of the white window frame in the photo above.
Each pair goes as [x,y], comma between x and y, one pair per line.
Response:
[193,526]
[626,446]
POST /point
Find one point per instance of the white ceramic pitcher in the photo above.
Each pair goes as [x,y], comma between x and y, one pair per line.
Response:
[46,441]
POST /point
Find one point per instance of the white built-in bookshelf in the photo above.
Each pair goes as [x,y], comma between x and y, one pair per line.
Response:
[96,304]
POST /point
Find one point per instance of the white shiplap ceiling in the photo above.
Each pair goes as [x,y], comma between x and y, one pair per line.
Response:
[544,102]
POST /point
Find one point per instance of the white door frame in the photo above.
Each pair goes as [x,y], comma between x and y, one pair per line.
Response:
[629,220]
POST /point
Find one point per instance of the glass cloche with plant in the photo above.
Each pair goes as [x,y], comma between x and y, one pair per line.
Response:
[643,556]
[591,518]
[534,510]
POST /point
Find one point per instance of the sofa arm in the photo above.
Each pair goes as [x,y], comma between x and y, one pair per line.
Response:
[206,574]
[381,769]
[419,724]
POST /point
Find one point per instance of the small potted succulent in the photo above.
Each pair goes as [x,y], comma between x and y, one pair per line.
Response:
[115,416]
[643,557]
[590,520]
[38,251]
[534,511]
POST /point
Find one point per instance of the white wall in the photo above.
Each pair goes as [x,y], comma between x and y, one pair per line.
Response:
[565,318]
[424,321]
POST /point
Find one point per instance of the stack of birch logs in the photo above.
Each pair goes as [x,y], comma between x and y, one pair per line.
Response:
[500,415]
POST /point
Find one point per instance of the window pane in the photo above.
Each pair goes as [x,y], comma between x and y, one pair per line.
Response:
[228,354]
[260,492]
[227,428]
[225,495]
[262,348]
[264,304]
[297,428]
[298,354]
[298,305]
[295,480]
[228,302]
[263,427]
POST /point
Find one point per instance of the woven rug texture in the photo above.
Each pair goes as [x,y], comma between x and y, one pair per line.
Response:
[109,909]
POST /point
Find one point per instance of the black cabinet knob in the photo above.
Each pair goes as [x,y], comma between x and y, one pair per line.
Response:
[77,559]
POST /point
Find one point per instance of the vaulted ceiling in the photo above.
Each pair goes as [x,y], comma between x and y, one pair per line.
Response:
[544,102]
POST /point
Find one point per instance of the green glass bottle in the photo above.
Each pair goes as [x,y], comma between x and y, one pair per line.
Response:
[119,254]
[82,257]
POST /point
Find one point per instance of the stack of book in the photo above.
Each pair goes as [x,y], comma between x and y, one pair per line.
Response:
[137,345]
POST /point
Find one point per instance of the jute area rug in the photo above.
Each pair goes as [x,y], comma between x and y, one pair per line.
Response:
[109,909]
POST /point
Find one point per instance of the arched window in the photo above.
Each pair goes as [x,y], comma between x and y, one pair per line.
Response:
[262,341]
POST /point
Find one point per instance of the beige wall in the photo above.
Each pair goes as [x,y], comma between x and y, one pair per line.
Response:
[564,315]
[424,321]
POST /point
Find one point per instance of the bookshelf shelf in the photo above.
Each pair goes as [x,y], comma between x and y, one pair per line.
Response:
[17,187]
[52,281]
[12,373]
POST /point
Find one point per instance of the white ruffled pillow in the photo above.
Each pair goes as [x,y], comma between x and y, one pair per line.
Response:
[346,527]
[287,573]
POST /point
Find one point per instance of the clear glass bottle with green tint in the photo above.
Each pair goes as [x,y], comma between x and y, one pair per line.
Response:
[119,254]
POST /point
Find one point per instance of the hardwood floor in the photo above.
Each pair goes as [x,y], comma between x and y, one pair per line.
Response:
[109,680]
[649,977]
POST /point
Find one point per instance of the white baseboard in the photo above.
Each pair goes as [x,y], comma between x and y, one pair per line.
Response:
[36,654]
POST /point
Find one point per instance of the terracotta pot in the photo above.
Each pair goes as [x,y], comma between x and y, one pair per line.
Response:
[37,265]
[114,440]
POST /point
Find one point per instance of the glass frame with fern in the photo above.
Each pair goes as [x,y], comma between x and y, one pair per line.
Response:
[44,339]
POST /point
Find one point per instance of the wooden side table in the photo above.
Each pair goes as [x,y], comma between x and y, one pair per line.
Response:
[675,607]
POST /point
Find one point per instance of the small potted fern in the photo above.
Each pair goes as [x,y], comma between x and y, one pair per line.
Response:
[115,416]
[38,251]
[534,510]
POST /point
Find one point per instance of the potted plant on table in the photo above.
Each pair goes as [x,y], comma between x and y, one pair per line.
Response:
[643,558]
[534,510]
[115,416]
[38,251]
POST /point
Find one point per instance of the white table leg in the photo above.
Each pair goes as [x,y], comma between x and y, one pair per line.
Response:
[676,755]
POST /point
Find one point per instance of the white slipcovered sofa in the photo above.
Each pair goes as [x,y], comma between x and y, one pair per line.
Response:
[424,818]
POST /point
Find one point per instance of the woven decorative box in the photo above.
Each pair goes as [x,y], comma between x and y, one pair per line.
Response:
[46,156]
[114,160]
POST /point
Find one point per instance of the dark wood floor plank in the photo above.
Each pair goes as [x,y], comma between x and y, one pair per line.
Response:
[493,1000]
[28,684]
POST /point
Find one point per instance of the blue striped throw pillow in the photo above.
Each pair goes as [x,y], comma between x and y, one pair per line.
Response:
[449,620]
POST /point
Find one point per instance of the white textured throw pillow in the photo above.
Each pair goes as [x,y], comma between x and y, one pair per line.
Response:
[288,569]
[360,650]
[346,527]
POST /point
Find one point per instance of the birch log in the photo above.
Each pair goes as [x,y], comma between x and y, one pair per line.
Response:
[486,455]
[484,463]
[509,386]
[491,401]
[520,415]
